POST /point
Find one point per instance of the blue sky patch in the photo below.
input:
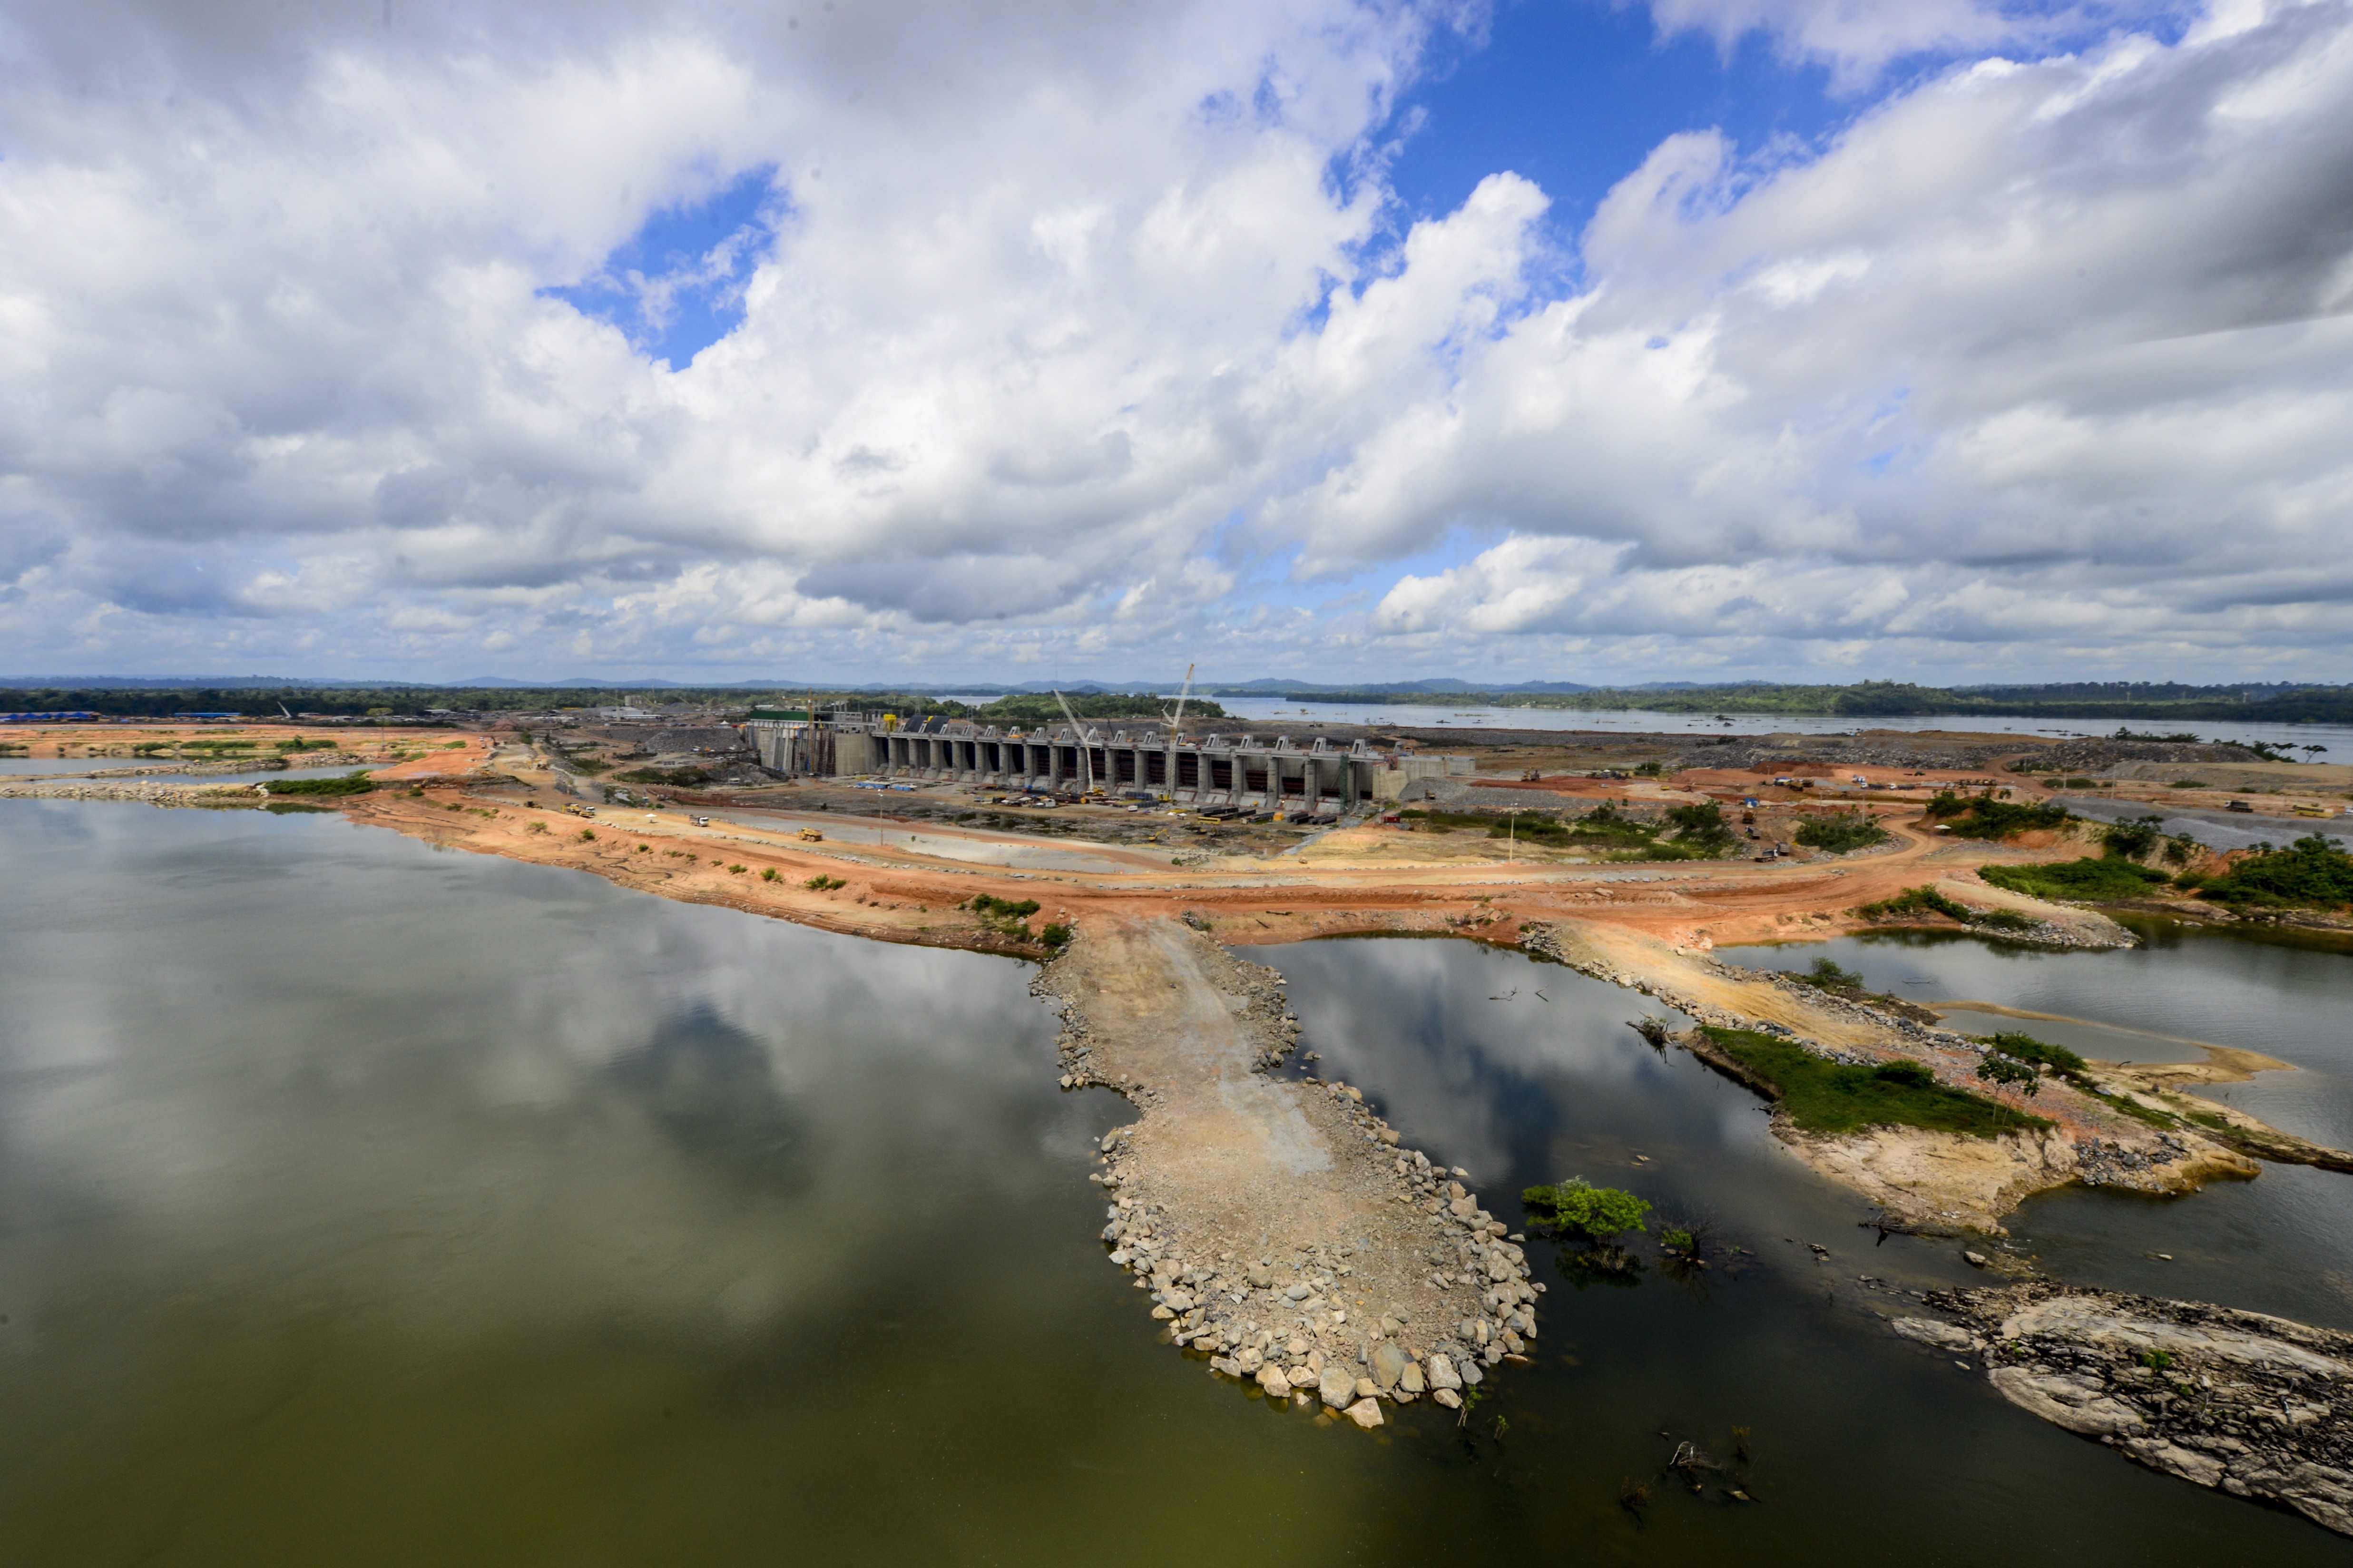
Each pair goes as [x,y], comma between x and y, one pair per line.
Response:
[676,286]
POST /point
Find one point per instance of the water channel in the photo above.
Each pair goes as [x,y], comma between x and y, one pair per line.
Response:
[364,1203]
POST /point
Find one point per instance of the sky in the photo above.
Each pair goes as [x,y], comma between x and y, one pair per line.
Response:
[1606,340]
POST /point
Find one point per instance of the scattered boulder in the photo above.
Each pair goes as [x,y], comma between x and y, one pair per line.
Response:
[1364,1413]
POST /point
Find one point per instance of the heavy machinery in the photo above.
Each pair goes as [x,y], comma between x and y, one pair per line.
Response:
[1086,764]
[1176,722]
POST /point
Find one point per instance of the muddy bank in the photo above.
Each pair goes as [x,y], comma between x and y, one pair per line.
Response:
[2251,1405]
[1274,1224]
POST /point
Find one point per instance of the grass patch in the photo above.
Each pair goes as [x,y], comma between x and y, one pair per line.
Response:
[1983,817]
[2088,878]
[2186,784]
[1823,1096]
[823,884]
[1841,832]
[2137,1112]
[350,783]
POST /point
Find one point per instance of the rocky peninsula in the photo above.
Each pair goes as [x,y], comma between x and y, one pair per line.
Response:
[1276,1223]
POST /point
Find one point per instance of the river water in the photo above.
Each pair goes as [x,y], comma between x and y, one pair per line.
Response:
[365,1204]
[2337,740]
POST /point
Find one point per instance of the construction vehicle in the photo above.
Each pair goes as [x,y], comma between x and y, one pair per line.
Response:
[811,836]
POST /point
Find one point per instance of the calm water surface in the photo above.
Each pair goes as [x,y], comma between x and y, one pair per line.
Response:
[360,1204]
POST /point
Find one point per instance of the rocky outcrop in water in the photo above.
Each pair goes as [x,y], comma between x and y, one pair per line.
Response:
[2251,1405]
[148,794]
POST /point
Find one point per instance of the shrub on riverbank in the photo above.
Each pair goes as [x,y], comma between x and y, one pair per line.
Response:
[2088,878]
[2029,1055]
[2311,873]
[350,783]
[1841,831]
[1925,899]
[1824,1096]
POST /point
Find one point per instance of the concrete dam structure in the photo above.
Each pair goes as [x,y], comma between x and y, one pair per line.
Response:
[1244,771]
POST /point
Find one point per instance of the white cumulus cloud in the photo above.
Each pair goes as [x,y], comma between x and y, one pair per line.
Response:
[1083,338]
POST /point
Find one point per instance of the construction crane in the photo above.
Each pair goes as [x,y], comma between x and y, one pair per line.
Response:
[1177,724]
[1086,767]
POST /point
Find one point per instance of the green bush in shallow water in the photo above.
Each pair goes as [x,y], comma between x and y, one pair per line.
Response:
[1577,1206]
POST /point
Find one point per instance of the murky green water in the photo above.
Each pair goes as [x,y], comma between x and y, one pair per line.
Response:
[366,1205]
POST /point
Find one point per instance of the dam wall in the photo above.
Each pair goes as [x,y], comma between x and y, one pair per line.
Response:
[1310,778]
